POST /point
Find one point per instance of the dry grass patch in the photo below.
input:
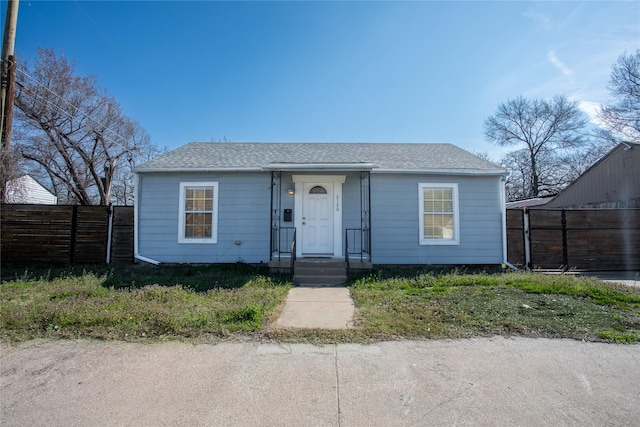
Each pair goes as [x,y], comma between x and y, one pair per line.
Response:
[108,306]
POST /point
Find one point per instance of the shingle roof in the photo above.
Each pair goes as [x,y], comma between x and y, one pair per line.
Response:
[203,156]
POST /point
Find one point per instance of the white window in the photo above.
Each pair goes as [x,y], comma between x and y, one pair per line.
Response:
[198,221]
[439,224]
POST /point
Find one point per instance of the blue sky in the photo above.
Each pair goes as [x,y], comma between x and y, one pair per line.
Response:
[332,71]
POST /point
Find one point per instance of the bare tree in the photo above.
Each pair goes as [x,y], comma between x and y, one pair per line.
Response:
[73,132]
[516,162]
[10,170]
[552,170]
[623,117]
[122,191]
[547,131]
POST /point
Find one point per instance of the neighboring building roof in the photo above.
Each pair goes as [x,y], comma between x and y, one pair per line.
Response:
[611,182]
[25,189]
[378,157]
[538,201]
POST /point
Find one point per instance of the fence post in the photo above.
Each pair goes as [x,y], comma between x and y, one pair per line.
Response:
[74,232]
[527,237]
[109,233]
[565,249]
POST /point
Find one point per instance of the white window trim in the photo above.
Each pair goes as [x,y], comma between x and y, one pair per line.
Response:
[214,216]
[456,215]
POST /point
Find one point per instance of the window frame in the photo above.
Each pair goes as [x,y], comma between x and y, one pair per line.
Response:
[182,214]
[456,214]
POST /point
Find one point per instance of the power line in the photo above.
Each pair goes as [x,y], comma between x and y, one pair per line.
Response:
[57,108]
[76,109]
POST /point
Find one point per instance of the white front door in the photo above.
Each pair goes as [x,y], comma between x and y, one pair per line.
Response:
[318,215]
[317,219]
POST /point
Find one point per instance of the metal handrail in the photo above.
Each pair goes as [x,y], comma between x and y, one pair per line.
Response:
[292,262]
[362,245]
[346,250]
[278,244]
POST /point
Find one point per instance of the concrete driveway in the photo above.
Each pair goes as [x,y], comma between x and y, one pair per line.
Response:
[628,278]
[479,382]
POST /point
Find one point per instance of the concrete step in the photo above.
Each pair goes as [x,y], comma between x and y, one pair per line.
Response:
[314,272]
[302,280]
[320,270]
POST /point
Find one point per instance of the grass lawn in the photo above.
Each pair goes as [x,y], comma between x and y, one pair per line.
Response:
[138,302]
[212,302]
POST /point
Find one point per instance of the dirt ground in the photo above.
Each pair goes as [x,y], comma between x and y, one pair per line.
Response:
[480,382]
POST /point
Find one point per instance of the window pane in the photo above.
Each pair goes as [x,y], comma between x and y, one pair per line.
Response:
[428,227]
[438,199]
[438,213]
[198,224]
[447,226]
[428,193]
[438,226]
[198,205]
[198,199]
[197,212]
[318,190]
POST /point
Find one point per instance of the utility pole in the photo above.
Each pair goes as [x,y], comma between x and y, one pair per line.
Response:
[8,70]
[8,78]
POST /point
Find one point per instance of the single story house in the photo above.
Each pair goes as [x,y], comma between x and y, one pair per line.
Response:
[26,190]
[380,203]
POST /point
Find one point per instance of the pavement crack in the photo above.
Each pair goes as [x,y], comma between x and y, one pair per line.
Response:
[335,350]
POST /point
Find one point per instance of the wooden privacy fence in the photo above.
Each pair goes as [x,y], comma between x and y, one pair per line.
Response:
[51,235]
[584,239]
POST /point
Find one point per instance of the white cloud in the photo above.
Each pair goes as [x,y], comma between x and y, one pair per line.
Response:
[556,62]
[591,109]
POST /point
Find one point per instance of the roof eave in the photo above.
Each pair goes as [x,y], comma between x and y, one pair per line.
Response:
[196,170]
[488,172]
[319,166]
[322,166]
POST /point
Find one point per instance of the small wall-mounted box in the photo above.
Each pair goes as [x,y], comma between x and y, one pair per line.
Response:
[288,215]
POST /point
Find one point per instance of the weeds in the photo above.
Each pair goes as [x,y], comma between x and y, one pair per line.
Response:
[204,302]
[121,304]
[453,305]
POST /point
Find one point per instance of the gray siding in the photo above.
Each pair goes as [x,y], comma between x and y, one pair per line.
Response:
[612,182]
[243,215]
[395,221]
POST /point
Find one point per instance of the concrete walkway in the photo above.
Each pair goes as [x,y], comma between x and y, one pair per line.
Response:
[476,382]
[317,307]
